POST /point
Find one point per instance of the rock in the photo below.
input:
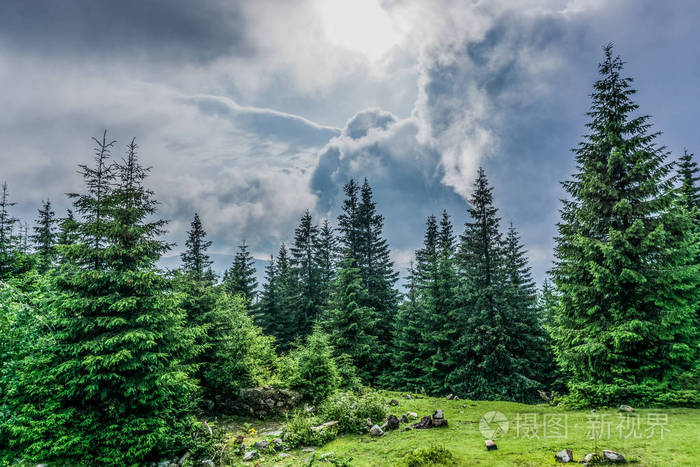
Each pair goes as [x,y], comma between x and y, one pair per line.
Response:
[490,445]
[412,414]
[368,423]
[264,401]
[208,463]
[393,402]
[184,458]
[439,422]
[173,464]
[262,445]
[308,449]
[250,455]
[277,443]
[613,457]
[283,455]
[392,422]
[407,428]
[591,458]
[566,455]
[425,422]
[450,397]
[383,426]
[323,426]
[239,439]
[309,408]
[455,398]
[376,431]
[164,464]
[438,414]
[404,419]
[327,454]
[408,396]
[543,395]
[626,408]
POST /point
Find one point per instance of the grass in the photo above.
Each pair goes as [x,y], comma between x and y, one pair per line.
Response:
[674,441]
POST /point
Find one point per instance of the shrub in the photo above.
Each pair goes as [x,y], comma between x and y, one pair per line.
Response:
[298,432]
[352,409]
[433,455]
[650,394]
[311,368]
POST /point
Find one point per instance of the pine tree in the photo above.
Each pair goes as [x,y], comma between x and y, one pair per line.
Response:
[326,258]
[195,261]
[690,190]
[307,274]
[437,279]
[624,325]
[486,366]
[110,386]
[268,308]
[279,307]
[44,237]
[8,239]
[348,222]
[530,342]
[67,230]
[408,339]
[240,277]
[351,324]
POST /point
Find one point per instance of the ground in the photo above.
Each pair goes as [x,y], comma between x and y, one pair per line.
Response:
[532,435]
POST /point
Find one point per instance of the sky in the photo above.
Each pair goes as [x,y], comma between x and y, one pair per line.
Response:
[251,112]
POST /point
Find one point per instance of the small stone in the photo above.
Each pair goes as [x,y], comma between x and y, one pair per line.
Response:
[239,439]
[590,458]
[439,414]
[392,422]
[283,455]
[404,419]
[376,431]
[412,414]
[308,449]
[425,422]
[449,398]
[208,463]
[368,422]
[184,458]
[164,464]
[262,445]
[383,426]
[613,457]
[393,402]
[250,455]
[439,422]
[455,398]
[566,455]
[408,396]
[326,454]
[323,426]
[277,443]
[407,428]
[626,408]
[490,445]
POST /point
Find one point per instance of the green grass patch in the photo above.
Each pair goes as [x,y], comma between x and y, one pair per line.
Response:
[646,437]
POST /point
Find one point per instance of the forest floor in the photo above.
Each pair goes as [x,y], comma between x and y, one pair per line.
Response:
[526,435]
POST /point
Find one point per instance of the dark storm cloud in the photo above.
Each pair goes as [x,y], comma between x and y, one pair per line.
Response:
[182,30]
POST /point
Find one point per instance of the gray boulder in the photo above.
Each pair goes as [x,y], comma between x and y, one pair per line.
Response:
[392,422]
[208,463]
[590,458]
[393,402]
[262,445]
[412,414]
[376,431]
[613,457]
[565,455]
[626,408]
[490,445]
[439,414]
[425,422]
[277,443]
[250,455]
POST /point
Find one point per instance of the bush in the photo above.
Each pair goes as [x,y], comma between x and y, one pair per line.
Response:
[311,368]
[238,354]
[352,409]
[298,432]
[651,394]
[433,455]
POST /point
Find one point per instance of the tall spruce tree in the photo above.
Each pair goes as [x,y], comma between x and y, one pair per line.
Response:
[690,189]
[307,274]
[487,366]
[437,279]
[350,324]
[195,260]
[240,277]
[278,306]
[268,304]
[624,322]
[8,239]
[44,236]
[408,339]
[326,257]
[109,386]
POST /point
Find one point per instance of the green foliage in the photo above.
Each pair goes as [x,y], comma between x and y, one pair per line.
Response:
[240,277]
[237,354]
[352,409]
[306,271]
[316,374]
[277,306]
[433,455]
[626,268]
[44,236]
[109,382]
[298,432]
[195,261]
